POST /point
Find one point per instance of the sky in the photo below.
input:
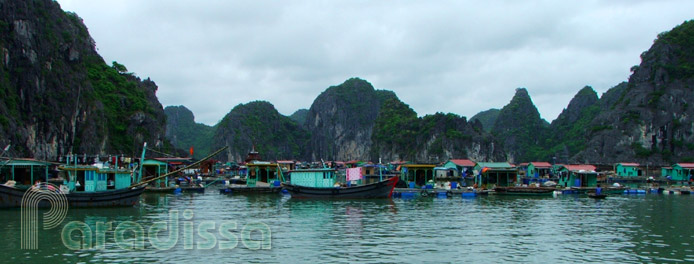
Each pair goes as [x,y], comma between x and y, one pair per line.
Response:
[461,57]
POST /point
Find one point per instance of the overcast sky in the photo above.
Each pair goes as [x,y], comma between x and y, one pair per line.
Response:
[438,56]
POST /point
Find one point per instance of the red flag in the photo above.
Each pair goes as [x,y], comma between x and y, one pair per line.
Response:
[191,151]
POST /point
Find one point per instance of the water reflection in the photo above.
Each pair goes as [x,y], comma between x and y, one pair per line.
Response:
[621,228]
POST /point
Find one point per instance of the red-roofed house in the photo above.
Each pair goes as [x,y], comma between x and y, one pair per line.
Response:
[627,169]
[539,169]
[578,176]
[681,171]
[463,166]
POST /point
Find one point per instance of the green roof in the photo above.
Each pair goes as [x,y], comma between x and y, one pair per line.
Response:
[495,165]
[153,162]
[24,162]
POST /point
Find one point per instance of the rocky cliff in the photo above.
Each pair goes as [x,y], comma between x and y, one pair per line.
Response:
[520,129]
[398,134]
[570,131]
[259,124]
[341,120]
[184,133]
[59,96]
[651,120]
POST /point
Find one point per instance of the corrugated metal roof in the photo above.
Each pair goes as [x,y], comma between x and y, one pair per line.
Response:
[541,164]
[686,165]
[495,165]
[629,164]
[26,162]
[463,162]
[582,167]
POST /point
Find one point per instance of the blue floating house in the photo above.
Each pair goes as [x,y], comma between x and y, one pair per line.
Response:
[679,171]
[417,174]
[263,174]
[626,169]
[578,176]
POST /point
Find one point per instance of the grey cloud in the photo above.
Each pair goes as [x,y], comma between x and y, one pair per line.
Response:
[450,56]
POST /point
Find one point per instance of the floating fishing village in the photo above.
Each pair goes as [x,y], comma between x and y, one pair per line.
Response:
[346,132]
[96,181]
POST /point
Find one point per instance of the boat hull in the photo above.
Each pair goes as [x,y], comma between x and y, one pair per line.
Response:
[12,198]
[382,189]
[597,196]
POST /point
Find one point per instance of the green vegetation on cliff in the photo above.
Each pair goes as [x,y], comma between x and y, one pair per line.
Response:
[487,118]
[184,133]
[682,38]
[259,124]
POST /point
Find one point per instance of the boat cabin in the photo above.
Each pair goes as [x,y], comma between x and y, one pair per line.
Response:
[318,178]
[375,172]
[261,174]
[24,171]
[116,178]
[578,176]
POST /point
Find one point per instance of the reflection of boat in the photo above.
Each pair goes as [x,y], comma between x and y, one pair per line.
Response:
[173,189]
[320,183]
[597,196]
[524,190]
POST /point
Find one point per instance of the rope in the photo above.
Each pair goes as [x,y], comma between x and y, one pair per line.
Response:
[159,152]
[181,169]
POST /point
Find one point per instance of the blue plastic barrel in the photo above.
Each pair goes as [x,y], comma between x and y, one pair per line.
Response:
[406,195]
[454,185]
[411,185]
[276,183]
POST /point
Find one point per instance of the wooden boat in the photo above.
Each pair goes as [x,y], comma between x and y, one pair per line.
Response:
[11,197]
[597,196]
[383,189]
[320,183]
[533,191]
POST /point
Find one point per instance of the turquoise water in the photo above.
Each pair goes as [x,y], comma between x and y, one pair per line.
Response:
[624,228]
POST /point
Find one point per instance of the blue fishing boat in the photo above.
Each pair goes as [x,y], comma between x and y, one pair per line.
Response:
[322,183]
[82,186]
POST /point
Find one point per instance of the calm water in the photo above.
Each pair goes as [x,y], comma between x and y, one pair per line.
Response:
[625,229]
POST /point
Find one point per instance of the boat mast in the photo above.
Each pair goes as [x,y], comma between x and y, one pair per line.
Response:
[142,160]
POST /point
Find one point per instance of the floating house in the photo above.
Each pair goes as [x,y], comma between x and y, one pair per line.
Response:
[263,174]
[417,175]
[578,176]
[625,169]
[24,171]
[498,174]
[539,169]
[464,167]
[678,171]
[152,168]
